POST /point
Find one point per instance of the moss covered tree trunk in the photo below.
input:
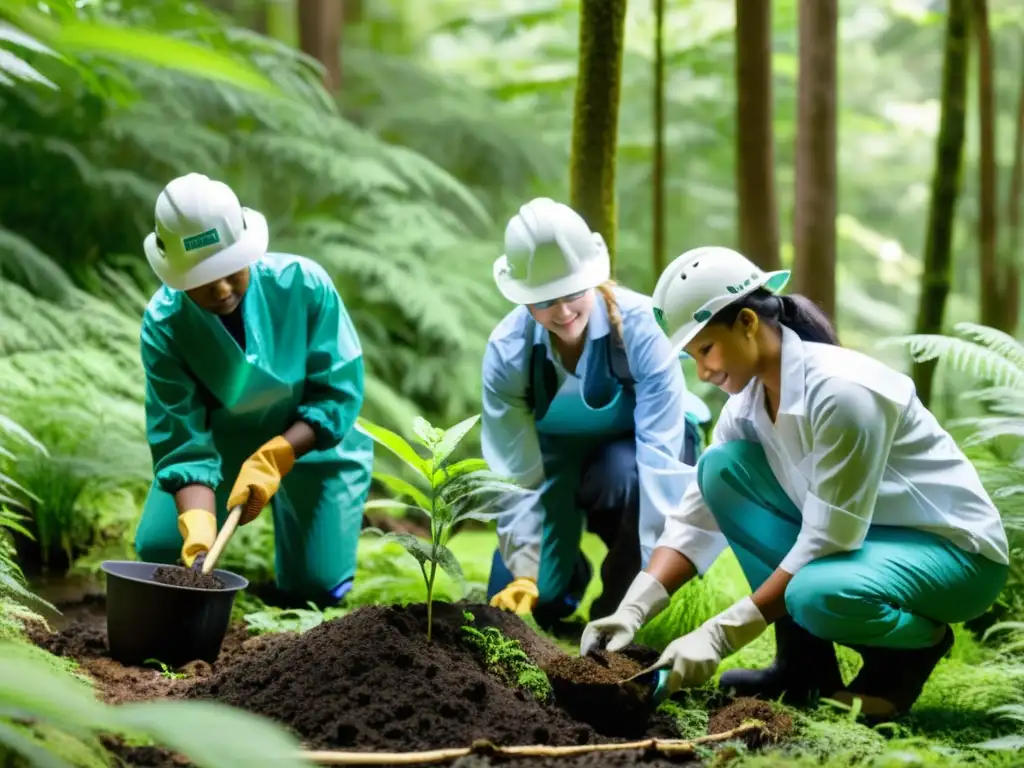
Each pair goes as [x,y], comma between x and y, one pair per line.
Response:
[755,151]
[658,160]
[814,225]
[320,23]
[595,124]
[949,151]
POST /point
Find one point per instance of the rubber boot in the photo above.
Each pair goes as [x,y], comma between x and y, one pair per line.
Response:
[891,679]
[805,668]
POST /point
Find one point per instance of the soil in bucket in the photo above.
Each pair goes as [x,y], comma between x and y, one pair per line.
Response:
[186,577]
[590,689]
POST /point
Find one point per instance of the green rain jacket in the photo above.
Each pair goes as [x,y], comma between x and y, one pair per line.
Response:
[210,404]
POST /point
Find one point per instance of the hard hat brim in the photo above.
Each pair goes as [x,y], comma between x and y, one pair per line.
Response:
[590,276]
[772,281]
[250,247]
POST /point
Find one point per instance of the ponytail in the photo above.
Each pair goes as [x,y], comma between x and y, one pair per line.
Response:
[610,304]
[798,313]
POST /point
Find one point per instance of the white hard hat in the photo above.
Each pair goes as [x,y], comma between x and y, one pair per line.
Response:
[550,252]
[700,283]
[202,233]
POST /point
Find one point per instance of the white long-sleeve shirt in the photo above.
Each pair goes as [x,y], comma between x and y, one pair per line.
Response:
[852,446]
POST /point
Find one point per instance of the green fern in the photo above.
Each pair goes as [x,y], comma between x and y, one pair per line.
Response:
[994,440]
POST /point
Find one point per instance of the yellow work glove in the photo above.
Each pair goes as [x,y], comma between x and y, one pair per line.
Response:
[198,528]
[260,477]
[519,596]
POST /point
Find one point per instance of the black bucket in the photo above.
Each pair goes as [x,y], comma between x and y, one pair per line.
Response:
[175,625]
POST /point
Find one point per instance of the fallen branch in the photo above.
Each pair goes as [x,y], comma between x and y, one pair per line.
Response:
[664,746]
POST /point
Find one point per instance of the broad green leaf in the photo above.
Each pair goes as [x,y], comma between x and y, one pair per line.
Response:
[453,471]
[392,504]
[30,686]
[396,444]
[404,488]
[16,741]
[450,564]
[414,545]
[427,433]
[452,438]
[213,735]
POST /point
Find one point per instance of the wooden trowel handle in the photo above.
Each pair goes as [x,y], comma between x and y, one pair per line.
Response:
[222,539]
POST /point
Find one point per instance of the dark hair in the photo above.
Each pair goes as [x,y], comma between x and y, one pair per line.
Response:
[796,312]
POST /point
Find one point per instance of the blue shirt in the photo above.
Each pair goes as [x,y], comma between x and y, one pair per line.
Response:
[510,441]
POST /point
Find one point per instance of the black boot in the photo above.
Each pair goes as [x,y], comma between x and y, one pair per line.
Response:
[895,676]
[805,668]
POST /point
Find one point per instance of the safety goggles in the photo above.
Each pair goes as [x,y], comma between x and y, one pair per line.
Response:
[559,300]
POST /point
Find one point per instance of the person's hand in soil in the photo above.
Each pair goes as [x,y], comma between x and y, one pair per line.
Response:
[198,528]
[260,477]
[520,596]
[695,657]
[645,598]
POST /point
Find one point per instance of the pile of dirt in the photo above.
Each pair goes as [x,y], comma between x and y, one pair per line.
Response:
[176,576]
[371,681]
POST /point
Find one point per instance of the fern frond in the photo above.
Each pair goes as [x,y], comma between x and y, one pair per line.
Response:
[993,339]
[965,356]
[987,429]
[22,262]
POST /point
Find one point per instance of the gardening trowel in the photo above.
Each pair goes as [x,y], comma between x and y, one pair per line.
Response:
[206,561]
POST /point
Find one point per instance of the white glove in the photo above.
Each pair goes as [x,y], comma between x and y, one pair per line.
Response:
[695,657]
[645,598]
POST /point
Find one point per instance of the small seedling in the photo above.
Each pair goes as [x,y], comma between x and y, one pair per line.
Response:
[166,671]
[447,493]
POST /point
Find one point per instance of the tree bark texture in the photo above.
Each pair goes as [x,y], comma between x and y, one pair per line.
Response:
[595,125]
[814,225]
[988,247]
[1014,212]
[946,179]
[755,151]
[320,23]
[658,161]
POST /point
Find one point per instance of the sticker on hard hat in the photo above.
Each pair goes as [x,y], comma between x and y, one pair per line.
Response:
[203,239]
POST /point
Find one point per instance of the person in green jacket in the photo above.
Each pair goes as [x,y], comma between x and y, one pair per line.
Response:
[254,380]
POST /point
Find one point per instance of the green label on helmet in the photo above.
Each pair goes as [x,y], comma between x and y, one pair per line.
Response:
[659,316]
[701,315]
[203,239]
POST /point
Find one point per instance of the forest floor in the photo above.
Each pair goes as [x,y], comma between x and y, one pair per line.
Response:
[365,679]
[370,681]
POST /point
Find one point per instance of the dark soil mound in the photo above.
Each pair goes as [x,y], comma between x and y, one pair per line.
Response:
[370,680]
[176,576]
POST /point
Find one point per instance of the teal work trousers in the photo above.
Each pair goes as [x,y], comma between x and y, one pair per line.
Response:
[318,514]
[895,591]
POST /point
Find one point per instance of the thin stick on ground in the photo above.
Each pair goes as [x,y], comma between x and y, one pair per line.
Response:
[664,746]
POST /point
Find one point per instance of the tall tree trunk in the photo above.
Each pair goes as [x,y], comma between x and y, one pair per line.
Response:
[320,23]
[814,226]
[595,124]
[949,151]
[988,257]
[1014,212]
[755,143]
[658,161]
